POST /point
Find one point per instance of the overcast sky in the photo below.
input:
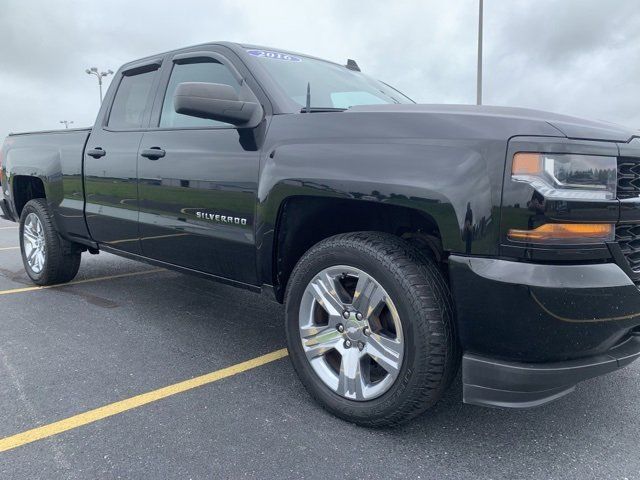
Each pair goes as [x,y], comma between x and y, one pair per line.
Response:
[579,57]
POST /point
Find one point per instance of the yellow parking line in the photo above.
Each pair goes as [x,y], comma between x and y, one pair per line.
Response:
[111,409]
[78,282]
[2,249]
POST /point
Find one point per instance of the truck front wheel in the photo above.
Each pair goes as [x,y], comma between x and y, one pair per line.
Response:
[48,259]
[370,328]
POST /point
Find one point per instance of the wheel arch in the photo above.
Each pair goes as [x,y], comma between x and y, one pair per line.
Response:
[34,171]
[24,189]
[304,220]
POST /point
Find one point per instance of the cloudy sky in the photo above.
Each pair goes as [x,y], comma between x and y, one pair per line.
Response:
[579,57]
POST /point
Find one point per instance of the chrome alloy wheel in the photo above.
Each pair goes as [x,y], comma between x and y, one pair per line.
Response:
[34,243]
[351,333]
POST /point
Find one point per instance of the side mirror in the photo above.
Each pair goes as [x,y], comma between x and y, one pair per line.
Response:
[215,101]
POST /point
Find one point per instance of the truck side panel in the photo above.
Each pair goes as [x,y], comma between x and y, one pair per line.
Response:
[55,159]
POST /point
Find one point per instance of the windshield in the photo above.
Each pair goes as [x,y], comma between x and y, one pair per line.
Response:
[331,85]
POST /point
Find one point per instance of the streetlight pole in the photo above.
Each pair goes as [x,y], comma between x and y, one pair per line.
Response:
[479,81]
[94,71]
[66,123]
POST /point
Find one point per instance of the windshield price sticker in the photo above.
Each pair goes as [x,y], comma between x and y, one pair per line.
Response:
[274,55]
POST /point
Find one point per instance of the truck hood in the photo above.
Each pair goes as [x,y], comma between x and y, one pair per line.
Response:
[570,127]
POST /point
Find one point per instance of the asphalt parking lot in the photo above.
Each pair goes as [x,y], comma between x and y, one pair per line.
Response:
[133,329]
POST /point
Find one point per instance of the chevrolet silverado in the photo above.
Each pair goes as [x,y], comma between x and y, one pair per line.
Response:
[405,240]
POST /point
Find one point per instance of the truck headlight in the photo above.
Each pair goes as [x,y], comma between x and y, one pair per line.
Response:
[567,176]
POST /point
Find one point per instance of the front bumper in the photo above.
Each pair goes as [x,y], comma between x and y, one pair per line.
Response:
[531,332]
[488,382]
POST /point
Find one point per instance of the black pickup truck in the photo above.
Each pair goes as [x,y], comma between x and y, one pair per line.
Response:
[404,239]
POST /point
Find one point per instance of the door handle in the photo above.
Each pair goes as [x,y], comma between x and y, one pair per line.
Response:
[96,152]
[153,153]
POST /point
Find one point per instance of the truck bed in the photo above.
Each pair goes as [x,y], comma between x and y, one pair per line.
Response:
[55,159]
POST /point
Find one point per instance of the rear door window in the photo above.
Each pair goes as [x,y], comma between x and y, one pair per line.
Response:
[130,102]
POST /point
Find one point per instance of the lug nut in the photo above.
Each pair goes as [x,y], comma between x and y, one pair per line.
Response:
[358,316]
[340,327]
[366,331]
[345,314]
[347,344]
[360,346]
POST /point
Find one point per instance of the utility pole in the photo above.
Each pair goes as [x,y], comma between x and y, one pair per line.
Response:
[66,123]
[94,71]
[479,81]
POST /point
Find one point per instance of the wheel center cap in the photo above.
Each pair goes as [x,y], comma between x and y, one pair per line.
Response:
[353,329]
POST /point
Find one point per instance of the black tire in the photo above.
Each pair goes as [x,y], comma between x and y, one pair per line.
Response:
[62,258]
[424,303]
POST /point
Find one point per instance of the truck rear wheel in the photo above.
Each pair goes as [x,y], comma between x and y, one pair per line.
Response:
[370,328]
[47,258]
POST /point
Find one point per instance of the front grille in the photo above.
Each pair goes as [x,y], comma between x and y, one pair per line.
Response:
[628,178]
[628,237]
